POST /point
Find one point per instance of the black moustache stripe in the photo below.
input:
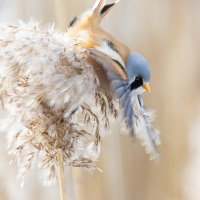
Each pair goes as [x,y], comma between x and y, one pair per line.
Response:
[136,84]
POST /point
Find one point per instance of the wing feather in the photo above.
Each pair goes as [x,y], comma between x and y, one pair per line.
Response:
[119,84]
[136,117]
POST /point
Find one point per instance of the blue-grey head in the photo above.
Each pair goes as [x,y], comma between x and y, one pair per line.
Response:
[138,72]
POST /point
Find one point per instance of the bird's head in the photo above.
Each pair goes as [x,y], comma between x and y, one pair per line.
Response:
[138,72]
[106,50]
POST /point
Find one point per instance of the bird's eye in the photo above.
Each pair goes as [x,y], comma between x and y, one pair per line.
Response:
[137,78]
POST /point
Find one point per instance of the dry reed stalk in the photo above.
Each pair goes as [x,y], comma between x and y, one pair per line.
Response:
[61,174]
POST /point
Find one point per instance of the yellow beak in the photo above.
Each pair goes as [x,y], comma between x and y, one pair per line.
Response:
[146,87]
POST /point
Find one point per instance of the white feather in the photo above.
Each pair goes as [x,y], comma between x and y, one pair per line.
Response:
[111,53]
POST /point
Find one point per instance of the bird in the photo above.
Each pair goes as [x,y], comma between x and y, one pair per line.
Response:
[128,72]
[47,76]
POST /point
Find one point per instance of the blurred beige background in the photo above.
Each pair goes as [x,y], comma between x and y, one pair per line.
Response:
[167,33]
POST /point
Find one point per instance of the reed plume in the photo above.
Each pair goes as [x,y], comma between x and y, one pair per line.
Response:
[44,79]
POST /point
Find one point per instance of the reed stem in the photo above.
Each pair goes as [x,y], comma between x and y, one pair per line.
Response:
[61,174]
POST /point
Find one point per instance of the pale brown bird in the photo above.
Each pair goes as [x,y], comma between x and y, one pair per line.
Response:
[46,78]
[128,72]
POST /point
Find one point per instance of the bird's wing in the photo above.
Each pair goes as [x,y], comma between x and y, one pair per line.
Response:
[119,84]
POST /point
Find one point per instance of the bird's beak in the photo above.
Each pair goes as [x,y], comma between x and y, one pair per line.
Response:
[146,87]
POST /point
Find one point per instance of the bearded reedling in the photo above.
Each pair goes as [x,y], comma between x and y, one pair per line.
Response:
[55,92]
